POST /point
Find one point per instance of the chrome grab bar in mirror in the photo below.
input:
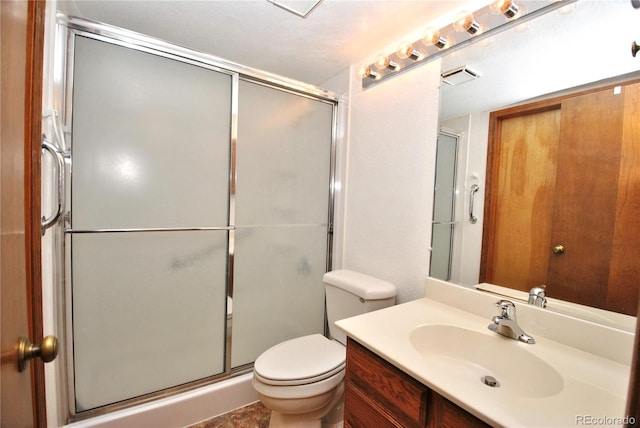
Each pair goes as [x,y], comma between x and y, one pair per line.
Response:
[59,157]
[472,218]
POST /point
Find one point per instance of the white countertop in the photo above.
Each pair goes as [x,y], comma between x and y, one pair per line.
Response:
[592,360]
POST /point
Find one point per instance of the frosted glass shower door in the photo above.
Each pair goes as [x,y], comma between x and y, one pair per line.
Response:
[443,225]
[149,222]
[282,210]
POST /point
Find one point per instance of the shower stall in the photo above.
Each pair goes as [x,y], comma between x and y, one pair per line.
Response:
[443,226]
[196,214]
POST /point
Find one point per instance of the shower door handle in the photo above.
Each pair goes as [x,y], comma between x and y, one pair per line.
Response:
[59,157]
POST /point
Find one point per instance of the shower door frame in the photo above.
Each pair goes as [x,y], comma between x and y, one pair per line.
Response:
[452,221]
[67,29]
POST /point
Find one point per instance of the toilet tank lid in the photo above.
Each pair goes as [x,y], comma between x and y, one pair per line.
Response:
[365,286]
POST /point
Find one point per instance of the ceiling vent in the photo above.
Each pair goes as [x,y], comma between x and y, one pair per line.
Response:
[301,8]
[459,75]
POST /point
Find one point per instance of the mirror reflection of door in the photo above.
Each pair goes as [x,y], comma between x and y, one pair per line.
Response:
[443,225]
[563,192]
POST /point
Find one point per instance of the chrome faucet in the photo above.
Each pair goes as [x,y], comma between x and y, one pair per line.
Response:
[506,323]
[538,297]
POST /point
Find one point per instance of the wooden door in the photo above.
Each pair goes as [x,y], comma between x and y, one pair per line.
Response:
[22,393]
[624,268]
[564,172]
[525,159]
[586,192]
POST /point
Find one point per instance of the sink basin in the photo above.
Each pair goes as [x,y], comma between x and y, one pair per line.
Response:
[470,356]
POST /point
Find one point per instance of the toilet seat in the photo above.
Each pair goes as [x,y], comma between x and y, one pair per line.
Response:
[300,361]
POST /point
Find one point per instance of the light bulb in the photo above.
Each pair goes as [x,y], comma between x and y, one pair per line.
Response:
[466,22]
[406,50]
[432,37]
[385,62]
[365,72]
[506,7]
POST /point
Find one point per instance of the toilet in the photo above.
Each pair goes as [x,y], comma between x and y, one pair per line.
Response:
[301,380]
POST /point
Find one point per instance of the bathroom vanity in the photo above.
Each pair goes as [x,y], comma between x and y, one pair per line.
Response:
[433,362]
[377,394]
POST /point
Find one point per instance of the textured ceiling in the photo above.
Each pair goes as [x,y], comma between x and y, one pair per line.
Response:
[258,34]
[551,53]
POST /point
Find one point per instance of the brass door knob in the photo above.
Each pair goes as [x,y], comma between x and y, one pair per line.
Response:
[47,351]
[558,249]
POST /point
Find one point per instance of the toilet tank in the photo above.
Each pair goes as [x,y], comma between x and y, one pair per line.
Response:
[350,293]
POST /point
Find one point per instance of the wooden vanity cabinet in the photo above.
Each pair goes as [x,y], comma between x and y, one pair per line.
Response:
[379,395]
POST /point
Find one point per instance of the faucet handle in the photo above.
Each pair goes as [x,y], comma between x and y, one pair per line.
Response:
[538,296]
[507,308]
[540,290]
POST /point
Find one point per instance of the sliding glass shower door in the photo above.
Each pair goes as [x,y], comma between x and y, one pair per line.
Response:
[444,215]
[282,195]
[149,222]
[199,216]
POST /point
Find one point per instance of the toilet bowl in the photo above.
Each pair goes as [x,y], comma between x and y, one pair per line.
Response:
[301,379]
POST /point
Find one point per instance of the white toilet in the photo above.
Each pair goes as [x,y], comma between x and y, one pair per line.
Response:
[301,380]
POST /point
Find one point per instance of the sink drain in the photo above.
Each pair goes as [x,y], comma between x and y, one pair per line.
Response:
[490,381]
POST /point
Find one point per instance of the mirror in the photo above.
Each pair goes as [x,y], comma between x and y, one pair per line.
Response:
[585,44]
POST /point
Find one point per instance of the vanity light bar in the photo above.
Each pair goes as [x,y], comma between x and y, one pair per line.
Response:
[469,28]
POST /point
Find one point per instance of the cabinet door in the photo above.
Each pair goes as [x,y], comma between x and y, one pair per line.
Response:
[444,414]
[363,412]
[379,395]
[384,393]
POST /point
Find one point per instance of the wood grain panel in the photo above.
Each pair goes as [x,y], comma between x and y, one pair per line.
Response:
[596,201]
[379,395]
[524,195]
[445,414]
[403,396]
[363,412]
[624,272]
[587,179]
[22,399]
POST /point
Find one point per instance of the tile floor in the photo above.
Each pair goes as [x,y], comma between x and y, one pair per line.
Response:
[255,415]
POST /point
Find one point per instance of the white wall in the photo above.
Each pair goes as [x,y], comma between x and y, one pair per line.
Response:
[389,178]
[473,131]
